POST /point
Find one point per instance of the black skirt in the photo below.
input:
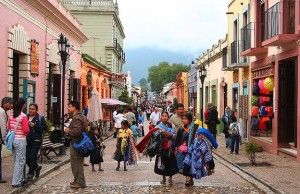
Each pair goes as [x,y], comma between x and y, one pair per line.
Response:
[169,163]
[118,154]
[95,157]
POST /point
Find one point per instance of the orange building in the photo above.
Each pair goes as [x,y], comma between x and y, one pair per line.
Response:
[182,89]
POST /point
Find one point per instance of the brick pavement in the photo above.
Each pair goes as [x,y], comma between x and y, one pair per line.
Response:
[279,173]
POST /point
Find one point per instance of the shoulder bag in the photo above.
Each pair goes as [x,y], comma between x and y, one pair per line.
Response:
[10,136]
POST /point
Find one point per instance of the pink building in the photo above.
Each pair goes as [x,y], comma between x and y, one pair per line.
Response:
[29,53]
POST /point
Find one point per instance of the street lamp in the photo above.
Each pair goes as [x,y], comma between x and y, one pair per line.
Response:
[111,113]
[63,47]
[202,75]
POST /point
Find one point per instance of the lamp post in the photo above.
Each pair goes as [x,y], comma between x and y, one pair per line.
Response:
[202,75]
[63,47]
[111,115]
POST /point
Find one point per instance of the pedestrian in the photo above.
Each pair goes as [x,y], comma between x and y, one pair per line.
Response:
[212,119]
[18,122]
[67,120]
[37,125]
[141,128]
[77,126]
[165,162]
[135,131]
[141,120]
[227,120]
[148,113]
[176,119]
[118,119]
[124,145]
[6,105]
[199,156]
[96,156]
[155,117]
[236,132]
[185,135]
[130,116]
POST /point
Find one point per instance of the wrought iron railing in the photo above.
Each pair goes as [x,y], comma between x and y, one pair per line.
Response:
[272,21]
[224,57]
[234,52]
[250,34]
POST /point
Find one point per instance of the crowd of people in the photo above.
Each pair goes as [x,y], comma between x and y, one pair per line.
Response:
[184,147]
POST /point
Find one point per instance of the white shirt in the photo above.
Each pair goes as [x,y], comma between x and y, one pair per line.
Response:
[3,123]
[239,127]
[154,118]
[118,119]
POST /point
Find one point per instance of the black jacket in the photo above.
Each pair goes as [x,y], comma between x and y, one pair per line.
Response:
[36,132]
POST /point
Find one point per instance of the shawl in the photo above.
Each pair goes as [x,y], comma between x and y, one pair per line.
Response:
[132,153]
[197,156]
[143,143]
[209,136]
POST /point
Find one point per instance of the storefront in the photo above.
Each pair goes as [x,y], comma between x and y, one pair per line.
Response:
[29,53]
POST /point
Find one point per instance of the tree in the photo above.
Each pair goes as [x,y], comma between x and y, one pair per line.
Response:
[125,97]
[164,73]
[144,84]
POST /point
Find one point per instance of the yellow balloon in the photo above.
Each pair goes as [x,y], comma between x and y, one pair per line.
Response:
[269,83]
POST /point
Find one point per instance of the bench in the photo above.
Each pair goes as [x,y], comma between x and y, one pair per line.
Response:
[48,147]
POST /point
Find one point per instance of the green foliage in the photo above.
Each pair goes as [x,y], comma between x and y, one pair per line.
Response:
[164,73]
[251,147]
[144,84]
[125,97]
[49,125]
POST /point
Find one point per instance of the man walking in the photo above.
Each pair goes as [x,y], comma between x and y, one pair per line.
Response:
[155,117]
[176,119]
[6,105]
[212,119]
[78,124]
[130,116]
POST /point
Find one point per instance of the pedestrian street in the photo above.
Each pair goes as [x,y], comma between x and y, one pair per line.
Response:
[140,179]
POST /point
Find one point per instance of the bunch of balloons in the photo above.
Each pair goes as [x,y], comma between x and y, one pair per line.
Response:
[266,85]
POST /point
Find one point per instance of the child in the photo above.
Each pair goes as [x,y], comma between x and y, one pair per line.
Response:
[126,150]
[96,156]
[141,128]
[135,131]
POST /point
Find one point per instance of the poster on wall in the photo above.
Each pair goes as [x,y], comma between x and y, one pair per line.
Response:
[34,65]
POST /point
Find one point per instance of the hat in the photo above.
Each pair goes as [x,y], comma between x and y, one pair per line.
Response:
[7,100]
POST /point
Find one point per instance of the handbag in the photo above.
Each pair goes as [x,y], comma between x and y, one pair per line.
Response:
[84,146]
[10,136]
[183,148]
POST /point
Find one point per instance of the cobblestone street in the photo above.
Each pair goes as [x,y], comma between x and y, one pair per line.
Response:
[141,179]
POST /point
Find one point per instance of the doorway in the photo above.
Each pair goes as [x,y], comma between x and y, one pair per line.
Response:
[287,105]
[16,73]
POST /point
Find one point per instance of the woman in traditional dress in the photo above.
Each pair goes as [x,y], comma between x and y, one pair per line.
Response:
[199,157]
[184,137]
[165,163]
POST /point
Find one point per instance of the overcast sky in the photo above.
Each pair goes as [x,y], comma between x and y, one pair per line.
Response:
[176,25]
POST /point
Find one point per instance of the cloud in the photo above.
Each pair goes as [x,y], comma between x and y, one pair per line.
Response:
[176,25]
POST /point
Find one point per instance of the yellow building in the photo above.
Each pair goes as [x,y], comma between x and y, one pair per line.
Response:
[238,68]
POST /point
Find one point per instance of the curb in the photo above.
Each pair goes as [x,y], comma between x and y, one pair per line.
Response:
[23,188]
[251,175]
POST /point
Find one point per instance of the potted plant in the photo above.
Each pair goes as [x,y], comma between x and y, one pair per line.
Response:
[250,149]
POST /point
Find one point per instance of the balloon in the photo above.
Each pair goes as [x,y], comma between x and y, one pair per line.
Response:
[269,83]
[261,84]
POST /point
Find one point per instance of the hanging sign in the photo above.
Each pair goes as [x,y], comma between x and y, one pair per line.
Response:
[34,65]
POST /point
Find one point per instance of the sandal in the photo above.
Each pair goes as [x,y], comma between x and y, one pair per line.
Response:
[191,183]
[118,168]
[163,182]
[170,182]
[125,169]
[187,183]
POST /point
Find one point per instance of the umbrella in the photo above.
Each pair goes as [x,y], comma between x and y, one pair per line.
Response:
[95,109]
[110,101]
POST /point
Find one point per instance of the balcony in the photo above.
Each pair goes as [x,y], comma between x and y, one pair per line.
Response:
[251,37]
[279,24]
[119,49]
[225,60]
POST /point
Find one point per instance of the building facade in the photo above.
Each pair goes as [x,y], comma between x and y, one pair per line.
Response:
[29,54]
[192,84]
[102,25]
[182,89]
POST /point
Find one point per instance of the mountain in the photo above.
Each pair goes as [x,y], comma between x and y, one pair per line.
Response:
[140,59]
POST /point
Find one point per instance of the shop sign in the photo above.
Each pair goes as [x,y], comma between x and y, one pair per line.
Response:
[34,65]
[262,73]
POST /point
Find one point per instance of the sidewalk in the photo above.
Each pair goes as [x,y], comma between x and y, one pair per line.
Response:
[48,166]
[280,174]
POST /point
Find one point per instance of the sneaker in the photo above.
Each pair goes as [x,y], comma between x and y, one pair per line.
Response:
[38,171]
[77,186]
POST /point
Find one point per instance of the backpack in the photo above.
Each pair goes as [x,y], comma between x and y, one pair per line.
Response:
[235,130]
[262,124]
[254,123]
[263,111]
[254,111]
[84,146]
[155,143]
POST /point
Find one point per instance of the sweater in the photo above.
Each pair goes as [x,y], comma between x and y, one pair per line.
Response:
[22,129]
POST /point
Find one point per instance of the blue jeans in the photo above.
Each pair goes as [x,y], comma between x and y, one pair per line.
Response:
[235,142]
[228,141]
[32,150]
